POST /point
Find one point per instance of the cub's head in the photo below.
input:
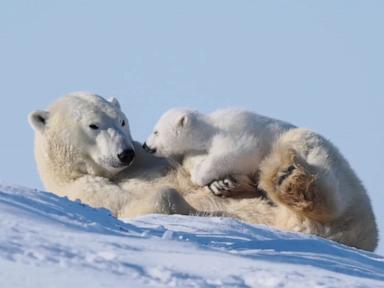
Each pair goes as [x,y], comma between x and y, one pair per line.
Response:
[82,133]
[177,133]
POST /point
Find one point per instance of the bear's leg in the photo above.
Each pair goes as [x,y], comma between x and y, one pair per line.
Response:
[169,201]
[289,179]
[225,174]
[207,170]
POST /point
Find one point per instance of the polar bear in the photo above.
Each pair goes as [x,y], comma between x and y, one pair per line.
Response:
[84,150]
[83,143]
[211,147]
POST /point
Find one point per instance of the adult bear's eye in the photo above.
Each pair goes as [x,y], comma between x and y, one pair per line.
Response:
[123,123]
[156,132]
[93,126]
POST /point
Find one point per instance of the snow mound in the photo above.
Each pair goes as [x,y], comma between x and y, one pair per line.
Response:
[48,241]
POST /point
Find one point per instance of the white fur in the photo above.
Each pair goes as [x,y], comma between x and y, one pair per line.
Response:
[226,142]
[80,163]
[297,168]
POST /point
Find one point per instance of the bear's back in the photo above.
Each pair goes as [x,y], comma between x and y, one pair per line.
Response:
[238,121]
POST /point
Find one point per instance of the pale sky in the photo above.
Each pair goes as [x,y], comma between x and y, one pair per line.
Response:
[316,64]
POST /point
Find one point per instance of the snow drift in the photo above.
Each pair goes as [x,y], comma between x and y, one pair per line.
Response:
[48,241]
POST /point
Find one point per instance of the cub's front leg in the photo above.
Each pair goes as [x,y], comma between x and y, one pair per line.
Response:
[205,170]
[212,172]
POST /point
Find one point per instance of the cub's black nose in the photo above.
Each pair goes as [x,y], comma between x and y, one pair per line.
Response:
[126,156]
[148,149]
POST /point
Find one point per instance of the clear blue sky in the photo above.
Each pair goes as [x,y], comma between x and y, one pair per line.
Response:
[317,64]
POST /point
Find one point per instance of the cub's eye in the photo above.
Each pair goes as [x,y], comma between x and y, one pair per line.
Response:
[156,132]
[123,123]
[94,127]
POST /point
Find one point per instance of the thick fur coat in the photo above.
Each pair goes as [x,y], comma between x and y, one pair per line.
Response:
[81,146]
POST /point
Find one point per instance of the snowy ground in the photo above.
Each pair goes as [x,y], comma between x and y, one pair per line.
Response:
[47,241]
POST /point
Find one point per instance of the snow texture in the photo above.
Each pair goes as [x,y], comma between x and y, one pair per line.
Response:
[48,241]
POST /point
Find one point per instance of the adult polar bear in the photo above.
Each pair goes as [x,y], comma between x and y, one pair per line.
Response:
[84,151]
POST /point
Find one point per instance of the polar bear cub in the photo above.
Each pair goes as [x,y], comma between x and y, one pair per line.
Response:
[215,146]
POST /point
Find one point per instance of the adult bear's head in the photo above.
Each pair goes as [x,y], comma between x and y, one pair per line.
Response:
[82,133]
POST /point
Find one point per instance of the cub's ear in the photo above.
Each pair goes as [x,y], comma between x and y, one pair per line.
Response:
[38,120]
[114,102]
[183,120]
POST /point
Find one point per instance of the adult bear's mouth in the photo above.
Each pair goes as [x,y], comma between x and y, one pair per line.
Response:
[149,149]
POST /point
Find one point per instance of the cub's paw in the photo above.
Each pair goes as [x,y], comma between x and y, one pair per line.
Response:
[223,187]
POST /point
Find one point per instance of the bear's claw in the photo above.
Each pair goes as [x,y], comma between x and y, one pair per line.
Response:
[222,187]
[285,174]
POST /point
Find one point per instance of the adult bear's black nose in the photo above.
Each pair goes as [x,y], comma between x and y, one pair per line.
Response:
[126,156]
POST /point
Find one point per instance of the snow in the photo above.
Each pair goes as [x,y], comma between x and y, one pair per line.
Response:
[48,241]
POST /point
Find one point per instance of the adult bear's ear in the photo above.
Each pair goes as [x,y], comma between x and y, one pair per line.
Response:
[114,102]
[183,120]
[38,120]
